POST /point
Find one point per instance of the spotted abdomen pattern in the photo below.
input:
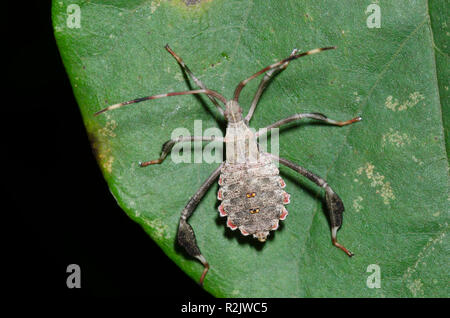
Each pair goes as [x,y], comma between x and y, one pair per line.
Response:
[252,197]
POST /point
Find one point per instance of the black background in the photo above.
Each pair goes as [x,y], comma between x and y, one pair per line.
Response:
[62,208]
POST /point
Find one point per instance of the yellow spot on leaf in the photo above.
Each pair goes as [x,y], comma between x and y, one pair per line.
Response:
[101,147]
[106,161]
[416,288]
[394,105]
[396,138]
[382,187]
[158,228]
[415,285]
[108,130]
[154,5]
[357,204]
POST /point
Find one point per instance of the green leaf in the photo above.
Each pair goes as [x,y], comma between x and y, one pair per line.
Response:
[391,169]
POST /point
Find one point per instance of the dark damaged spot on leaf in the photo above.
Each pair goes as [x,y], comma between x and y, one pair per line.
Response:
[192,2]
[95,144]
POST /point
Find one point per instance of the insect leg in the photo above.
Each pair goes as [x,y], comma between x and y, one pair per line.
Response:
[334,203]
[186,236]
[138,100]
[316,116]
[263,84]
[168,145]
[241,84]
[196,80]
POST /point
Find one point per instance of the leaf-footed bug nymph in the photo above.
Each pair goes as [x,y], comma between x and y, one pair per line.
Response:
[251,190]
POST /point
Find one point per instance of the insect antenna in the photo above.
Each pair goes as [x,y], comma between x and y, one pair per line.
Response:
[241,85]
[138,100]
[196,80]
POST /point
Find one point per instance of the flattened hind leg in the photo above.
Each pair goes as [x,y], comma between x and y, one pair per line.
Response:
[186,238]
[334,202]
[336,210]
[186,235]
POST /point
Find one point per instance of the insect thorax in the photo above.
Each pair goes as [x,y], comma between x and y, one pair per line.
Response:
[240,144]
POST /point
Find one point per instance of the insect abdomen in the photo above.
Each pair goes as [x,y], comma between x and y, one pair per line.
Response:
[252,197]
